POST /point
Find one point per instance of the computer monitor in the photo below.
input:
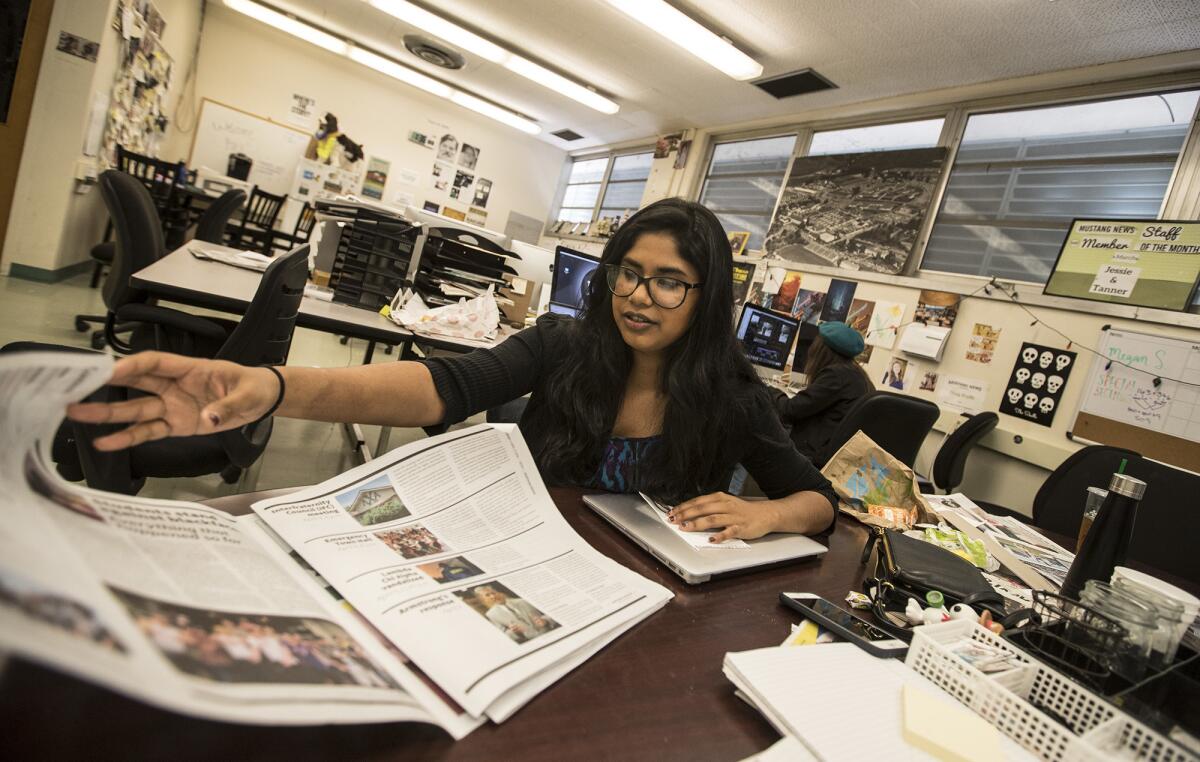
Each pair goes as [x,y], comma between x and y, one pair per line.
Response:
[572,276]
[766,336]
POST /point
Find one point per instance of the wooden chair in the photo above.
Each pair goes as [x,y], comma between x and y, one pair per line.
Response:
[256,229]
[305,222]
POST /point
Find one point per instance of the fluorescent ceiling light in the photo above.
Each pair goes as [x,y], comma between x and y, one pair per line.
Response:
[495,112]
[402,73]
[473,43]
[290,25]
[680,29]
[382,64]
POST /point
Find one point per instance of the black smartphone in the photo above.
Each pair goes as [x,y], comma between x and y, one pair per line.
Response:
[845,625]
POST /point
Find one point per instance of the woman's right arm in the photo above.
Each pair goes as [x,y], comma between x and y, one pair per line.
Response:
[190,396]
[815,398]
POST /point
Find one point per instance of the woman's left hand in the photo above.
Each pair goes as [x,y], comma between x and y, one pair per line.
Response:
[743,519]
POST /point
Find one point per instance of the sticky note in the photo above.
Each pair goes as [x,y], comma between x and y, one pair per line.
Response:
[946,730]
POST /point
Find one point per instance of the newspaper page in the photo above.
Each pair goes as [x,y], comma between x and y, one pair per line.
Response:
[174,603]
[454,550]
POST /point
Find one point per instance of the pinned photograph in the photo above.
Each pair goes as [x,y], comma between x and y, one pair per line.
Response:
[441,176]
[77,46]
[896,375]
[929,381]
[447,148]
[937,308]
[414,541]
[838,300]
[859,317]
[666,144]
[483,191]
[885,321]
[983,343]
[738,240]
[468,157]
[462,179]
[515,617]
[430,206]
[373,503]
[808,305]
[785,297]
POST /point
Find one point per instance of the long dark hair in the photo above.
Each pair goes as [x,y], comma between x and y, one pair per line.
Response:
[704,372]
[822,356]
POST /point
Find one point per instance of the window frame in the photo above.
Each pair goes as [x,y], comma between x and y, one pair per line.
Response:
[1188,158]
[563,184]
[802,138]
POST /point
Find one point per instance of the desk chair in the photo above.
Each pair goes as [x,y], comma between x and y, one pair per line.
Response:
[263,337]
[139,243]
[211,225]
[256,229]
[951,459]
[896,422]
[305,222]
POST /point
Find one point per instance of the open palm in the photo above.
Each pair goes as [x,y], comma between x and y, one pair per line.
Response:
[186,396]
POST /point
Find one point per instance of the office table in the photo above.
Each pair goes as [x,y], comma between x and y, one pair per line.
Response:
[657,692]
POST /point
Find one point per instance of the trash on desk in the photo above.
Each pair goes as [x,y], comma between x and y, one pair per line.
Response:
[858,600]
[476,319]
[958,543]
[808,633]
[874,487]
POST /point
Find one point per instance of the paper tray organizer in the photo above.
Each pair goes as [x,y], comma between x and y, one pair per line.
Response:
[1023,703]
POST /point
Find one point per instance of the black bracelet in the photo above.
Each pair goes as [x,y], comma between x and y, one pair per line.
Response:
[279,399]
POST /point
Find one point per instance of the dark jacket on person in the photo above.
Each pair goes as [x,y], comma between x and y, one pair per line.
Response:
[525,362]
[817,409]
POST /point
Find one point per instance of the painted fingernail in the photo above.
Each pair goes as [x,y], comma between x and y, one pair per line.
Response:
[214,419]
[686,524]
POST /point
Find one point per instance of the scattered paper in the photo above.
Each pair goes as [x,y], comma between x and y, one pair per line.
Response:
[470,319]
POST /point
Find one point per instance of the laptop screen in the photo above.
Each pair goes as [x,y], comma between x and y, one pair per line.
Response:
[572,276]
[766,336]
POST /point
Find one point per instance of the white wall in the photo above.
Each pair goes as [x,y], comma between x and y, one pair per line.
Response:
[52,227]
[252,67]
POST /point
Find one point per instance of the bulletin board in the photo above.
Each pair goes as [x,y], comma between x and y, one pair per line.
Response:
[1122,405]
[275,148]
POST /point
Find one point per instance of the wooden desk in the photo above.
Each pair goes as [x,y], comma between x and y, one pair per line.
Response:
[656,693]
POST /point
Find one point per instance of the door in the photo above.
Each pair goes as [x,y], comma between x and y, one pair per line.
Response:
[23,25]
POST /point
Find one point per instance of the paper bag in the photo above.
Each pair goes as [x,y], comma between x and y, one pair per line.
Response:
[874,487]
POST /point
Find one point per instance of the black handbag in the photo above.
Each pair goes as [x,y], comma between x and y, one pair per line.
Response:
[906,568]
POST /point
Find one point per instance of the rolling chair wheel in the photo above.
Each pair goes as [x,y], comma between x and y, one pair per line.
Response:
[388,349]
[343,340]
[98,341]
[81,325]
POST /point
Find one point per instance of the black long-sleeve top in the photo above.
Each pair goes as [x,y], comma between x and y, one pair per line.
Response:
[817,409]
[523,364]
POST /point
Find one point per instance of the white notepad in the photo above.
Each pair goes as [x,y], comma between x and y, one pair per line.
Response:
[839,701]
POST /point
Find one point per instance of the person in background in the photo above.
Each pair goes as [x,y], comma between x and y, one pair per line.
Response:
[648,391]
[835,383]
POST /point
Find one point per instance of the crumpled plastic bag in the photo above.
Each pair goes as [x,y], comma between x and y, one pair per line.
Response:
[475,319]
[874,487]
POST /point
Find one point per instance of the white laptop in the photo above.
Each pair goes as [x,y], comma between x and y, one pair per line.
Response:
[637,521]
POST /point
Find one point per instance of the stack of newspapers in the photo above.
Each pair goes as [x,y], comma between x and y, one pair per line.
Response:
[438,583]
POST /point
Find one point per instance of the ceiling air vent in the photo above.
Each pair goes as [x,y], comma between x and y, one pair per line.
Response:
[567,135]
[795,83]
[431,52]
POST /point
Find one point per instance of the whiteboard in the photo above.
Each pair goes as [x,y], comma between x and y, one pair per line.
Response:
[275,148]
[1121,405]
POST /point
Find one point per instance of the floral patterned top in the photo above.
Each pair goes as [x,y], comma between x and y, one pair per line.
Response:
[618,470]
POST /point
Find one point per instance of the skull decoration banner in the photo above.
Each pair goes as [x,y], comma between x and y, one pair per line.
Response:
[1035,387]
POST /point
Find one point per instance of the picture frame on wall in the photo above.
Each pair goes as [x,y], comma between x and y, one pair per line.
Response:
[738,240]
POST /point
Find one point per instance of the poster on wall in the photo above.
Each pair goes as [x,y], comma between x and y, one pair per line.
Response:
[302,111]
[1148,263]
[838,300]
[861,211]
[741,284]
[447,149]
[859,317]
[477,216]
[483,191]
[938,308]
[785,297]
[1036,384]
[468,157]
[885,321]
[808,305]
[376,178]
[961,393]
[454,214]
[983,343]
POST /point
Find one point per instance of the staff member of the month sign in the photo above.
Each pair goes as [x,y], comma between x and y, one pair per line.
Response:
[1148,263]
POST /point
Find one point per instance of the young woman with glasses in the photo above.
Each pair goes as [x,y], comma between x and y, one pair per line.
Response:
[647,391]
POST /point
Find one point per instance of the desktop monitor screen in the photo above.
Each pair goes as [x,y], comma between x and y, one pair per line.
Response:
[572,276]
[766,336]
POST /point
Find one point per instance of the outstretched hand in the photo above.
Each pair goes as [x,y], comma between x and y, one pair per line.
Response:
[187,396]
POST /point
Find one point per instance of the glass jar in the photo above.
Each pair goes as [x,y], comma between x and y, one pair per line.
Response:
[1171,623]
[1139,618]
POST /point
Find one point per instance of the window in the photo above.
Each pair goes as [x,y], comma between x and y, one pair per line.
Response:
[879,137]
[1021,176]
[743,182]
[605,186]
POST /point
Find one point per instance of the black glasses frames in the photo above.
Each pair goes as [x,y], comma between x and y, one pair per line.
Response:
[668,293]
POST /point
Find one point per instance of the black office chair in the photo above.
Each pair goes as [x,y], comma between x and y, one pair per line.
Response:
[305,222]
[896,422]
[951,459]
[139,243]
[263,337]
[212,223]
[1164,535]
[1059,503]
[256,228]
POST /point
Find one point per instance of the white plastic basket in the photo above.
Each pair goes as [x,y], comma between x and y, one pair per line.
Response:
[1023,702]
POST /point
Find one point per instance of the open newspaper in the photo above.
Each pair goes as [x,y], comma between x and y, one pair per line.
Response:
[438,583]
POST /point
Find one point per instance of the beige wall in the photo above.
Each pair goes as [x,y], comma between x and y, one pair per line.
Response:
[52,226]
[252,67]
